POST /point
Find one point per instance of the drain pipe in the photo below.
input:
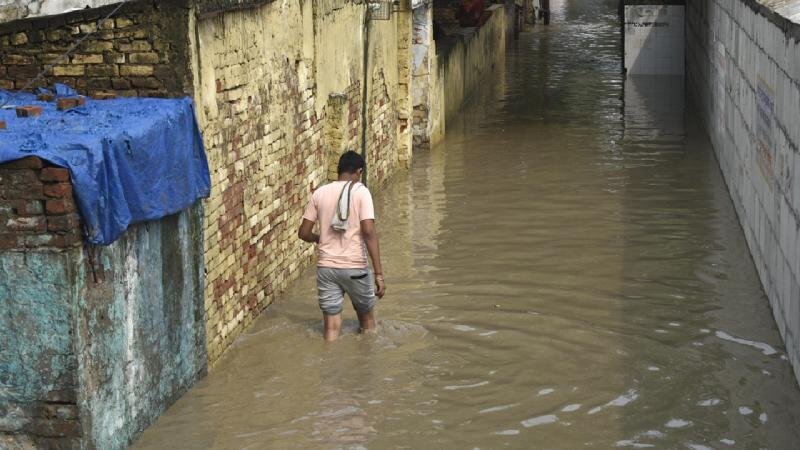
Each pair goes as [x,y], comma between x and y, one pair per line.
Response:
[364,92]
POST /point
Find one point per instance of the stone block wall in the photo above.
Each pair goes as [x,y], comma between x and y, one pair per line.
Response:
[743,63]
[141,51]
[96,341]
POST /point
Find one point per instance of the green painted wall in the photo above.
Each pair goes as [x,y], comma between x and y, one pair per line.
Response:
[118,333]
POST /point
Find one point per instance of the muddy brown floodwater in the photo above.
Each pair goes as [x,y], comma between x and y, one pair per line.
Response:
[565,271]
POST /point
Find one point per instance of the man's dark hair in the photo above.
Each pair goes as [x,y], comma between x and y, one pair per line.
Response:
[349,162]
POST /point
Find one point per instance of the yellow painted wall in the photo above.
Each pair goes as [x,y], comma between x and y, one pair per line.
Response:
[470,62]
[279,90]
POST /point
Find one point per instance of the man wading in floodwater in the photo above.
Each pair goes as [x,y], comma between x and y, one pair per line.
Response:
[347,232]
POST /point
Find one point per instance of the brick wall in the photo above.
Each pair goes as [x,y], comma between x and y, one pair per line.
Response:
[341,129]
[383,150]
[141,51]
[20,9]
[37,208]
[258,165]
[277,109]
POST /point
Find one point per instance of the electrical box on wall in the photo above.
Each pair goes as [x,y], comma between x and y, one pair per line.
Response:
[654,38]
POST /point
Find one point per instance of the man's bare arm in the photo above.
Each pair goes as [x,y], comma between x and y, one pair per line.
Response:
[370,235]
[306,232]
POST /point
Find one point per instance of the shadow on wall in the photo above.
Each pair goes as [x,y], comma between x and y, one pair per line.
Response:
[469,63]
[654,39]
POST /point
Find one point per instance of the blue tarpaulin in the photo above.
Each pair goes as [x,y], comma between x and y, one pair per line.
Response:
[130,159]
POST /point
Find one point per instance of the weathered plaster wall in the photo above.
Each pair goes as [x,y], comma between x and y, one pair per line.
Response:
[427,96]
[277,105]
[38,365]
[471,60]
[139,333]
[96,342]
[743,62]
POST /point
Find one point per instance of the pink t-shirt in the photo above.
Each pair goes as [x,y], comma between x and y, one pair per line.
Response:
[340,249]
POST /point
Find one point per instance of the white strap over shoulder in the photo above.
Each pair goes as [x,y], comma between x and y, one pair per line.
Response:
[342,214]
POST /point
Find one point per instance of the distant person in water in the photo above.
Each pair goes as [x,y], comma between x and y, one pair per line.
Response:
[347,233]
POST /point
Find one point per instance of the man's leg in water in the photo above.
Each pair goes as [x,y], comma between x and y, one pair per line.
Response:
[333,326]
[366,321]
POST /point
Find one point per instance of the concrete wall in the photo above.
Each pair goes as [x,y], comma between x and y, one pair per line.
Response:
[97,342]
[654,39]
[471,61]
[276,106]
[744,72]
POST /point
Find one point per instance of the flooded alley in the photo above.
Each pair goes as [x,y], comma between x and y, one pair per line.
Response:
[565,271]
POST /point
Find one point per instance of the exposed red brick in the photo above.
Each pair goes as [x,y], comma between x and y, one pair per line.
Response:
[45,97]
[29,111]
[21,192]
[54,174]
[62,396]
[18,179]
[62,223]
[31,162]
[35,224]
[104,96]
[58,190]
[9,241]
[65,103]
[54,428]
[61,206]
[36,240]
[28,207]
[2,124]
[68,239]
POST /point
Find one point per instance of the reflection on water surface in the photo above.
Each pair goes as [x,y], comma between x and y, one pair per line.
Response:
[566,271]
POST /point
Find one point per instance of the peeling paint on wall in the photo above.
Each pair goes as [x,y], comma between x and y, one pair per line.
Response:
[97,343]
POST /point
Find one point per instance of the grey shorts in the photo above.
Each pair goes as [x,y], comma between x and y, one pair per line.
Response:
[359,284]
